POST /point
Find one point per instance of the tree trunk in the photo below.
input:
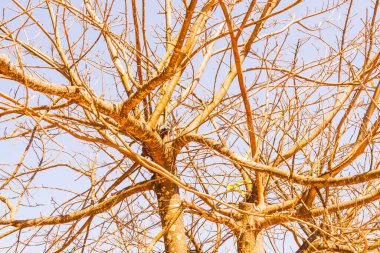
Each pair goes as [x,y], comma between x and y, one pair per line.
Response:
[250,239]
[169,204]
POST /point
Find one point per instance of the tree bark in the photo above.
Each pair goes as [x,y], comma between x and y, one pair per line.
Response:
[250,238]
[169,204]
[168,199]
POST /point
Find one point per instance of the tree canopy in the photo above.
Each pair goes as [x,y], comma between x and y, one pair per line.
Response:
[189,126]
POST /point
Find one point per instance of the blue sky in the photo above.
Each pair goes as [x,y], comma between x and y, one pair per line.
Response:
[43,201]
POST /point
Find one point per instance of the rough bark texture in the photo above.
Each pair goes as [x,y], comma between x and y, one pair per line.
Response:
[169,204]
[250,239]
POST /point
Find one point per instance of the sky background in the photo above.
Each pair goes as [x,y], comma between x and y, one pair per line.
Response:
[62,146]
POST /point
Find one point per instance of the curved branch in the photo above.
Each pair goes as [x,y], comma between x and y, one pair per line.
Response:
[296,215]
[91,210]
[136,129]
[273,171]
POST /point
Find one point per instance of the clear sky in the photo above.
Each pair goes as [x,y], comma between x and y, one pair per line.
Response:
[65,183]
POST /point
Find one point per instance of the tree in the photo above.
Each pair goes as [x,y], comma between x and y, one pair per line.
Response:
[190,126]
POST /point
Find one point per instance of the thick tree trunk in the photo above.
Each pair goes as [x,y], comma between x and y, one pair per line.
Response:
[170,213]
[169,201]
[250,239]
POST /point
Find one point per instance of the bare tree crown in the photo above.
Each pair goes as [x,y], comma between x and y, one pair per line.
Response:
[189,126]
